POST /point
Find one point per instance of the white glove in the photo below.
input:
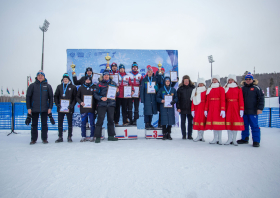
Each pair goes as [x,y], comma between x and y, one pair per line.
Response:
[241,113]
[205,113]
[193,114]
[223,114]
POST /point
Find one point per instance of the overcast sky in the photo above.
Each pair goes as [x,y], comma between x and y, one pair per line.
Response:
[240,34]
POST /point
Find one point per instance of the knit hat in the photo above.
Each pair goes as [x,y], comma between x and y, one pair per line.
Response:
[106,72]
[121,66]
[41,72]
[162,69]
[114,64]
[65,75]
[150,69]
[88,69]
[88,78]
[134,64]
[231,76]
[249,75]
[201,80]
[167,78]
[216,76]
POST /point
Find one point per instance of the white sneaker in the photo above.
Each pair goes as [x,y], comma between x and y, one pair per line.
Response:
[229,137]
[83,139]
[91,139]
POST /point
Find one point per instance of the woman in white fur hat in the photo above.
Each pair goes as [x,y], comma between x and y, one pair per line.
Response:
[198,99]
[215,109]
[234,109]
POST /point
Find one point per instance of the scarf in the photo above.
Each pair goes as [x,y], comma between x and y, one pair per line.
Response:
[197,98]
[135,72]
[214,85]
[231,85]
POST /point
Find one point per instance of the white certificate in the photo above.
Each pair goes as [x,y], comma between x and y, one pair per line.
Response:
[95,78]
[173,76]
[64,105]
[87,101]
[116,78]
[167,101]
[111,92]
[151,88]
[127,91]
[136,92]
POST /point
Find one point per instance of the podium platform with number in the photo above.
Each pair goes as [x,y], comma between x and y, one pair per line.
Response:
[126,132]
[102,134]
[153,133]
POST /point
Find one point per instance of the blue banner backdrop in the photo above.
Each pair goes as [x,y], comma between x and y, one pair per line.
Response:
[95,58]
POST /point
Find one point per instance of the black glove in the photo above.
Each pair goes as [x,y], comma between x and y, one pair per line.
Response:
[58,106]
[172,102]
[70,107]
[28,119]
[51,119]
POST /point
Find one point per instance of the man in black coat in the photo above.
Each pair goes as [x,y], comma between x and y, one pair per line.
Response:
[184,105]
[66,91]
[39,101]
[105,105]
[253,106]
[81,81]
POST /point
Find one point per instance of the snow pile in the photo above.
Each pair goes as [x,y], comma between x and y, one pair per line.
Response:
[139,168]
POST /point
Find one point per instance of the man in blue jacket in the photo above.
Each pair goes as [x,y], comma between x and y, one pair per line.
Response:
[39,101]
[253,106]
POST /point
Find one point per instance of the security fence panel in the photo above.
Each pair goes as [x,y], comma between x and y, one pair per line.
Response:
[5,115]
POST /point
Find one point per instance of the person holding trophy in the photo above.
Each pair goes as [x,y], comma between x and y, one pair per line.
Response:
[65,100]
[81,81]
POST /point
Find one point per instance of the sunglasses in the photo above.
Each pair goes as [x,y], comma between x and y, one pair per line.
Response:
[248,79]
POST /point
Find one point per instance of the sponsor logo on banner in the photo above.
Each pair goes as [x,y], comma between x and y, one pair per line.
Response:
[72,54]
[80,54]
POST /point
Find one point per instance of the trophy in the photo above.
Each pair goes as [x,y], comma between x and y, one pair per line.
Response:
[159,68]
[73,68]
[108,58]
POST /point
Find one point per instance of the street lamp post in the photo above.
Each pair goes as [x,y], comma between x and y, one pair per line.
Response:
[210,59]
[44,28]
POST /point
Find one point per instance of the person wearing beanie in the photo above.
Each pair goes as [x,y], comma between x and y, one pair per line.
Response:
[184,105]
[198,98]
[253,106]
[234,109]
[81,81]
[215,109]
[124,80]
[168,114]
[105,105]
[65,91]
[149,99]
[39,102]
[114,68]
[87,89]
[136,79]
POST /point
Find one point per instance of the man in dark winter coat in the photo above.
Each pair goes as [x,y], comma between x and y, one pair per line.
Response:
[149,99]
[81,81]
[184,104]
[87,108]
[105,105]
[253,106]
[65,91]
[39,101]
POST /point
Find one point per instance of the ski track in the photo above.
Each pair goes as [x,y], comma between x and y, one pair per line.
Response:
[138,168]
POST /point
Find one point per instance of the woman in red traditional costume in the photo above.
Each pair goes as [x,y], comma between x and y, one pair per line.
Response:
[234,109]
[198,99]
[215,109]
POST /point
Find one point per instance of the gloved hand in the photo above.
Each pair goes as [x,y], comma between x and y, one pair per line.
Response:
[51,119]
[241,113]
[28,119]
[70,107]
[58,106]
[205,113]
[156,88]
[172,102]
[193,114]
[223,114]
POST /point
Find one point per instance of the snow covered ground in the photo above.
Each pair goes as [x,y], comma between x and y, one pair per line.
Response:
[139,168]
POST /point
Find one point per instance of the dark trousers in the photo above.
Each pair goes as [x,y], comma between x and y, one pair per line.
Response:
[60,123]
[136,108]
[44,126]
[166,129]
[183,124]
[126,110]
[101,111]
[84,118]
[148,118]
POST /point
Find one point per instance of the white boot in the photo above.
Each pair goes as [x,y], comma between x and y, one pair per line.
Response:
[202,136]
[234,133]
[198,136]
[229,137]
[214,141]
[220,137]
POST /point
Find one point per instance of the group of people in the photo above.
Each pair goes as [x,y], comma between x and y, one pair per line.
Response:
[215,108]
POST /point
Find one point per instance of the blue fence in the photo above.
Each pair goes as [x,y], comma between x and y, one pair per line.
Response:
[264,118]
[6,115]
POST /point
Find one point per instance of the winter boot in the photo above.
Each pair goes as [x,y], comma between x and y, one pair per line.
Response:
[190,136]
[184,137]
[198,136]
[215,139]
[234,133]
[169,136]
[147,125]
[229,137]
[134,122]
[97,140]
[246,141]
[60,139]
[112,138]
[202,136]
[45,141]
[256,144]
[32,142]
[220,138]
[151,126]
[83,139]
[69,139]
[164,136]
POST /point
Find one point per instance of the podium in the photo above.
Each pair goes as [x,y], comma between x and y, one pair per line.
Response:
[126,132]
[88,133]
[153,133]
